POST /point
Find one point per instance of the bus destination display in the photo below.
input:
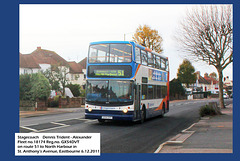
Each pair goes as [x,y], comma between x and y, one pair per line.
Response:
[120,71]
[111,73]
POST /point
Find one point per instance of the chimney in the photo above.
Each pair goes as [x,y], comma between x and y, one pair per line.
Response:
[205,75]
[198,74]
[39,47]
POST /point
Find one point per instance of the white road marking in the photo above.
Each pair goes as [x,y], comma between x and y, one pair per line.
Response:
[58,127]
[29,128]
[180,142]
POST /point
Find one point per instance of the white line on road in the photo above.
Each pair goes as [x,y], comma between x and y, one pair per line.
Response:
[29,128]
[58,127]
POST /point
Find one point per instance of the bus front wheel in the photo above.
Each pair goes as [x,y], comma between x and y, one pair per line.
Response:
[143,115]
[101,120]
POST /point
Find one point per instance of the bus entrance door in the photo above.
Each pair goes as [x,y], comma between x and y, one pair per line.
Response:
[137,102]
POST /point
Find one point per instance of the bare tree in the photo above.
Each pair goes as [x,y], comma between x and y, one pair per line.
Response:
[206,33]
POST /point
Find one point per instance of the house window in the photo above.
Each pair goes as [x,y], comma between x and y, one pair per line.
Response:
[76,77]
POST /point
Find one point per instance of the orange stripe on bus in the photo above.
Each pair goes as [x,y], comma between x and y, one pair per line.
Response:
[136,71]
[161,104]
[148,49]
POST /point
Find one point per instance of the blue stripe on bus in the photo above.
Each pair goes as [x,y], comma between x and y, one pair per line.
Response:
[111,42]
[116,115]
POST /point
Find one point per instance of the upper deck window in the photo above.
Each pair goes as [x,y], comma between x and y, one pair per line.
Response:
[151,60]
[157,64]
[99,53]
[137,55]
[144,57]
[110,53]
[163,64]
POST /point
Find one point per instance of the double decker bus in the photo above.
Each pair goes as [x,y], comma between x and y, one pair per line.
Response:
[125,81]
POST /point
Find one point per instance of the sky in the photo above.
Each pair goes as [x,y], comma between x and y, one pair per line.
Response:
[68,29]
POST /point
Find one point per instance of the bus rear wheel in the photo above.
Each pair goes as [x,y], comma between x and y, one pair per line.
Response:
[163,111]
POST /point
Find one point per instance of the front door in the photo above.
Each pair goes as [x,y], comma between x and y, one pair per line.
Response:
[137,101]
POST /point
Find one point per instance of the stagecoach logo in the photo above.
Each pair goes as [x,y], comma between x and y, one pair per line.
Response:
[157,75]
[150,105]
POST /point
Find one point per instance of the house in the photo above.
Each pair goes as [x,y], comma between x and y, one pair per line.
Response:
[227,84]
[83,64]
[77,74]
[213,87]
[27,64]
[227,81]
[41,60]
[201,83]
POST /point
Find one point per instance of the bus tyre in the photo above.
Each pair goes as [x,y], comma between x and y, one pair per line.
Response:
[163,111]
[101,120]
[143,115]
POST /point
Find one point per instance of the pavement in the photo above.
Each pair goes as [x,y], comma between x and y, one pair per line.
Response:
[212,134]
[50,111]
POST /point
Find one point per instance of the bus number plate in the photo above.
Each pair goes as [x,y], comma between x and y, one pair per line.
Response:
[107,117]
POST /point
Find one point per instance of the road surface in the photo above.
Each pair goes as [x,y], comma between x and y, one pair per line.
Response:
[122,137]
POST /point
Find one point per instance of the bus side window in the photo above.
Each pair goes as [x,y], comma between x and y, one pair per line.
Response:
[164,91]
[167,66]
[137,55]
[144,91]
[159,92]
[151,60]
[150,91]
[144,57]
[157,62]
[163,64]
[155,92]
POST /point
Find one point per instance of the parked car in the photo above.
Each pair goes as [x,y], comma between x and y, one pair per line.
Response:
[225,96]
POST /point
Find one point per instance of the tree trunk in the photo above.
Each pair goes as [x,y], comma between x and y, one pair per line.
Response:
[63,94]
[220,83]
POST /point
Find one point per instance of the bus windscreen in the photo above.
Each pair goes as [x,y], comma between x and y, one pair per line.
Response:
[110,53]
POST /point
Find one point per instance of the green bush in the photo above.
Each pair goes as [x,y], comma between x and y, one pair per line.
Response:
[34,86]
[53,103]
[75,89]
[83,93]
[25,86]
[206,111]
[40,87]
[56,98]
[176,87]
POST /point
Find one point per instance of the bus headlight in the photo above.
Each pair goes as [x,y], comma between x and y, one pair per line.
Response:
[90,109]
[125,110]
